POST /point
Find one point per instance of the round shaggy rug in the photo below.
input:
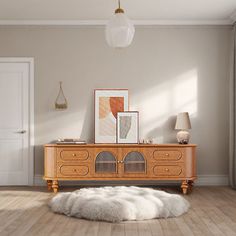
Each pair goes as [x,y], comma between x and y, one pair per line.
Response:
[116,204]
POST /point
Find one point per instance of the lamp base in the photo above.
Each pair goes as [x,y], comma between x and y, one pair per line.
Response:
[183,137]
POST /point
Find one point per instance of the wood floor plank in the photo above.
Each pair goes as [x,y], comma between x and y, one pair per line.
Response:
[70,227]
[196,230]
[29,214]
[143,229]
[104,229]
[22,224]
[83,227]
[118,229]
[24,211]
[59,228]
[169,226]
[93,229]
[229,211]
[183,227]
[219,221]
[231,224]
[200,224]
[208,222]
[229,195]
[131,228]
[43,225]
[14,211]
[155,227]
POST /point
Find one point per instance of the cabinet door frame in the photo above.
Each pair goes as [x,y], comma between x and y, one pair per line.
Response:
[103,175]
[123,153]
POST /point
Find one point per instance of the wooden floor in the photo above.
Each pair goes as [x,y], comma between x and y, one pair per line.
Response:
[24,211]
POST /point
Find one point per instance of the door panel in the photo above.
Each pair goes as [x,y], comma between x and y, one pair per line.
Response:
[14,123]
[105,163]
[12,149]
[134,163]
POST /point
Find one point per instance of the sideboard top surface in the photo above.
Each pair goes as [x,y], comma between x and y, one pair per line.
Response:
[112,145]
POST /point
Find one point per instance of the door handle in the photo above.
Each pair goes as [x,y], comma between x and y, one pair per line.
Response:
[120,162]
[21,132]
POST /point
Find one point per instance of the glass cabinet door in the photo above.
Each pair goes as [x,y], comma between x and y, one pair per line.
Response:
[134,162]
[105,162]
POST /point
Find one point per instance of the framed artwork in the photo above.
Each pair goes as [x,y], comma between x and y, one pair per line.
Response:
[128,127]
[108,102]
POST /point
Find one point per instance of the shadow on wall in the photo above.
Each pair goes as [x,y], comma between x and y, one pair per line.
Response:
[164,133]
[87,132]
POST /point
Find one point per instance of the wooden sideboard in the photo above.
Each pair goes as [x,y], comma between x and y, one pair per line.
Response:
[120,162]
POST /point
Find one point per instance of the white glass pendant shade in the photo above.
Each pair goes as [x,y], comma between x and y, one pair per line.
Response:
[119,31]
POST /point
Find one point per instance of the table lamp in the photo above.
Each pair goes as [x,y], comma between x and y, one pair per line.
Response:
[183,124]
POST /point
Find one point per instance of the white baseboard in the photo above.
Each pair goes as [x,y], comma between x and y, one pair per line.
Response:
[212,180]
[39,181]
[203,180]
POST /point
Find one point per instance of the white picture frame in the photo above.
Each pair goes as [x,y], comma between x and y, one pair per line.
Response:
[107,102]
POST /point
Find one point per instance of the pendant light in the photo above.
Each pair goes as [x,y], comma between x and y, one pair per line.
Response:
[119,29]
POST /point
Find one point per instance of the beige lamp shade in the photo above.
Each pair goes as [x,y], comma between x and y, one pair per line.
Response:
[183,121]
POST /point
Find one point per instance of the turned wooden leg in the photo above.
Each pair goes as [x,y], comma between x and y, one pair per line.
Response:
[190,185]
[49,183]
[184,187]
[55,186]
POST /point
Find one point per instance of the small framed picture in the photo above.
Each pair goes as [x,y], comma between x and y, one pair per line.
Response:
[127,127]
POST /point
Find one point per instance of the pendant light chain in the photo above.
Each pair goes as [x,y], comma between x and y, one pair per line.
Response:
[119,10]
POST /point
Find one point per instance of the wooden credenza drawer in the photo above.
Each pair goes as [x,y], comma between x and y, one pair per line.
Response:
[73,155]
[65,170]
[168,170]
[168,155]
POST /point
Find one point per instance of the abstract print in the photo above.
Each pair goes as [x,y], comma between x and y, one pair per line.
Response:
[107,104]
[108,108]
[127,127]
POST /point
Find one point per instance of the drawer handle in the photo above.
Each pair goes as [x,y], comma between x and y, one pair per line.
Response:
[74,155]
[167,154]
[167,170]
[75,170]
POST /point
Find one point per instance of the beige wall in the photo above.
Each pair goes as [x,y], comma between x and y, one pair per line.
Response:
[167,70]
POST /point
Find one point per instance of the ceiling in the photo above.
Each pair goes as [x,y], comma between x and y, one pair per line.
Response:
[98,11]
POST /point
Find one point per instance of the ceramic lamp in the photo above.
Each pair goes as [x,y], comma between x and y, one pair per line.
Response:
[183,124]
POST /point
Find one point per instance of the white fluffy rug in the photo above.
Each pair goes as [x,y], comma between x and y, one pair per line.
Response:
[116,204]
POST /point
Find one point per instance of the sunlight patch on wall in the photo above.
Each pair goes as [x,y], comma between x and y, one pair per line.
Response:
[159,105]
[185,93]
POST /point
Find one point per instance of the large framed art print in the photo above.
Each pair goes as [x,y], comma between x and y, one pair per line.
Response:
[108,102]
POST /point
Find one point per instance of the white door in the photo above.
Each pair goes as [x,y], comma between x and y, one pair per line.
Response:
[14,123]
